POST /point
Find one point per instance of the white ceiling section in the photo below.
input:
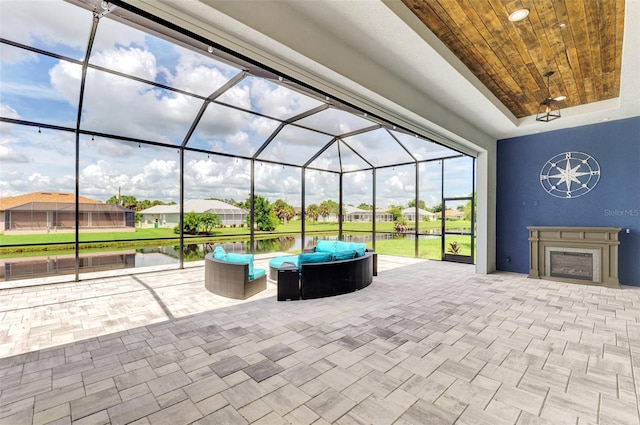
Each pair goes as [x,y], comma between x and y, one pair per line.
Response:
[379,56]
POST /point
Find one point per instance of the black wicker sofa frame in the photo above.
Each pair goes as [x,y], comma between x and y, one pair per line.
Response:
[318,280]
[231,280]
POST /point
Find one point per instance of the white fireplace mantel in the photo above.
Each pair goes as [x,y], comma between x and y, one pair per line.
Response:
[602,242]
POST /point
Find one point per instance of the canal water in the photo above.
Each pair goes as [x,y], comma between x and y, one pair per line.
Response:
[147,257]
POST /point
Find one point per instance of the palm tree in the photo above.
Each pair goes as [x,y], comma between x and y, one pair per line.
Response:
[283,210]
[324,209]
[313,211]
[288,213]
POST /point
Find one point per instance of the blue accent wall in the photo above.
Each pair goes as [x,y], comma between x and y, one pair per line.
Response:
[614,202]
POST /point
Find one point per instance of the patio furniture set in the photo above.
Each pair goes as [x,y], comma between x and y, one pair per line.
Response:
[328,269]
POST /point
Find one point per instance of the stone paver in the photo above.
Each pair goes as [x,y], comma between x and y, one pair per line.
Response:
[427,342]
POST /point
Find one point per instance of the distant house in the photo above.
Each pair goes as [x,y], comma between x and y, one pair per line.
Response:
[169,215]
[43,212]
[298,211]
[409,214]
[355,214]
[453,215]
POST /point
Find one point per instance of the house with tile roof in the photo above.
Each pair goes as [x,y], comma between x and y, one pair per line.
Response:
[409,214]
[169,215]
[453,215]
[355,214]
[45,212]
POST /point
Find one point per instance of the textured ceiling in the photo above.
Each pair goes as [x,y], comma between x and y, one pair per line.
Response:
[581,41]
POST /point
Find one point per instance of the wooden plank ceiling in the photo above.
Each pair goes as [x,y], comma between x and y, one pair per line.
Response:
[580,40]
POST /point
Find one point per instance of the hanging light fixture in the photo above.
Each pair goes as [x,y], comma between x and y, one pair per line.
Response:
[549,108]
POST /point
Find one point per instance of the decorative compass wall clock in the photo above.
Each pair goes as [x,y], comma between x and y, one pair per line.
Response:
[570,174]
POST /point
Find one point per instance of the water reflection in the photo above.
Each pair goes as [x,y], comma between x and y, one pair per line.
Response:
[53,265]
[64,264]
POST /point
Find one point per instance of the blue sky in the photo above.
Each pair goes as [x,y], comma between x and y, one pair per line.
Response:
[39,88]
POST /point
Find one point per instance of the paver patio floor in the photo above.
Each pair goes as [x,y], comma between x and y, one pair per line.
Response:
[427,343]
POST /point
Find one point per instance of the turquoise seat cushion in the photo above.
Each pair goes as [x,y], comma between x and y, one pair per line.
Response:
[278,261]
[359,248]
[325,246]
[343,255]
[257,273]
[340,246]
[232,257]
[314,257]
[219,253]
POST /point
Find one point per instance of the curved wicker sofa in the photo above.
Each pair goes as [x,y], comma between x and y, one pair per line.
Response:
[324,278]
[231,280]
[339,277]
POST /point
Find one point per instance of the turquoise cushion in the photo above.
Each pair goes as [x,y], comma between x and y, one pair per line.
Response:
[342,246]
[343,255]
[326,246]
[219,253]
[359,248]
[257,273]
[232,257]
[278,261]
[314,257]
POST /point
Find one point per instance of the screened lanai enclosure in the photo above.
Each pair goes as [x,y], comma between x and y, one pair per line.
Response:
[103,101]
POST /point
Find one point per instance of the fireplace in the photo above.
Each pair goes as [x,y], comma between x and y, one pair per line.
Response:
[573,263]
[574,254]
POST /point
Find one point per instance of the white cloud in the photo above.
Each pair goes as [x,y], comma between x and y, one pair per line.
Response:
[138,110]
[20,182]
[197,74]
[9,154]
[159,179]
[8,112]
[394,187]
[264,127]
[238,96]
[218,122]
[131,60]
[278,101]
[7,190]
[112,33]
[216,177]
[65,79]
[37,92]
[10,55]
[5,127]
[240,142]
[51,23]
[159,169]
[39,179]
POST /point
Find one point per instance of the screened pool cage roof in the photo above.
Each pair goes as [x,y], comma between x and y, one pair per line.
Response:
[190,94]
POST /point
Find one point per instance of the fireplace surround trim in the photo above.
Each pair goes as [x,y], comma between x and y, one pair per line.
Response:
[603,239]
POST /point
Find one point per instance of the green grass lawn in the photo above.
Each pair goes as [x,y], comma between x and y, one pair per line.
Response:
[429,248]
[24,245]
[161,233]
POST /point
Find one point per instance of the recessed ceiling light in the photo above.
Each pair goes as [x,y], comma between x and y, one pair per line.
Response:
[559,98]
[519,15]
